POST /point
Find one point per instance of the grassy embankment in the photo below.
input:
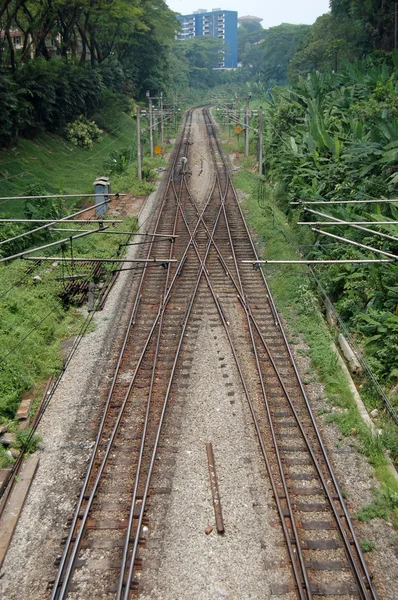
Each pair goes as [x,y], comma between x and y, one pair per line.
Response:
[292,287]
[33,319]
[61,167]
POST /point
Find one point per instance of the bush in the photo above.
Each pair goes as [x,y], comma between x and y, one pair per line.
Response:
[118,162]
[83,133]
[28,441]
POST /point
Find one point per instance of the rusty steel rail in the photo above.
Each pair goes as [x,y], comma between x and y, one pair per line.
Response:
[69,558]
[225,230]
[360,571]
[357,562]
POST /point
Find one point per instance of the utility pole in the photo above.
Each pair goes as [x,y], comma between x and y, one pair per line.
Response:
[161,120]
[148,95]
[139,161]
[260,141]
[247,122]
[175,111]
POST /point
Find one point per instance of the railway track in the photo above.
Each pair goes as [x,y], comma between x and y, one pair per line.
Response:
[209,239]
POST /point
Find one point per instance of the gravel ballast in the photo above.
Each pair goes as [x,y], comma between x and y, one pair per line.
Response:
[184,558]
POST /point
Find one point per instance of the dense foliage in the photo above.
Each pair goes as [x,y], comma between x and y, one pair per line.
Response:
[353,29]
[72,53]
[334,136]
[265,54]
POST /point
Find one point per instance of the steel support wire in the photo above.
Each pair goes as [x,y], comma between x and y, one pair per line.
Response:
[57,243]
[353,225]
[64,219]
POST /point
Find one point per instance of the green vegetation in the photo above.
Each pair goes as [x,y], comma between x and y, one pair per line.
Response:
[321,144]
[367,546]
[73,55]
[380,507]
[29,442]
[34,318]
[60,166]
[266,53]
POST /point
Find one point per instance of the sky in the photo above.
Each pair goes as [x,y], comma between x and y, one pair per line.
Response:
[273,12]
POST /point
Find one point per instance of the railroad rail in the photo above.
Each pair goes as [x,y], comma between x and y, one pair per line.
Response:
[209,240]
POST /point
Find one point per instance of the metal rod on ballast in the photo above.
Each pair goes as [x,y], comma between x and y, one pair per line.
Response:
[304,202]
[104,260]
[163,235]
[57,196]
[346,222]
[103,230]
[92,221]
[21,235]
[72,277]
[63,241]
[337,237]
[365,229]
[321,261]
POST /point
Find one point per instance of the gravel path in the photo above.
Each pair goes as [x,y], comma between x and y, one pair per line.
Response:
[68,429]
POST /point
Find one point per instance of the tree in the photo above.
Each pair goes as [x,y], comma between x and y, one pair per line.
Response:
[375,17]
[332,40]
[249,32]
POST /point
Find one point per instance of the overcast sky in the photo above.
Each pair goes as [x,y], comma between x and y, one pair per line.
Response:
[273,12]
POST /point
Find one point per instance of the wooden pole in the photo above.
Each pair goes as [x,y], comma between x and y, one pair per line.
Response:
[214,488]
[260,141]
[139,161]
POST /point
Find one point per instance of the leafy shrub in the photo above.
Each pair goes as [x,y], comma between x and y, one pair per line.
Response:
[83,133]
[5,458]
[118,162]
[28,441]
[381,330]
